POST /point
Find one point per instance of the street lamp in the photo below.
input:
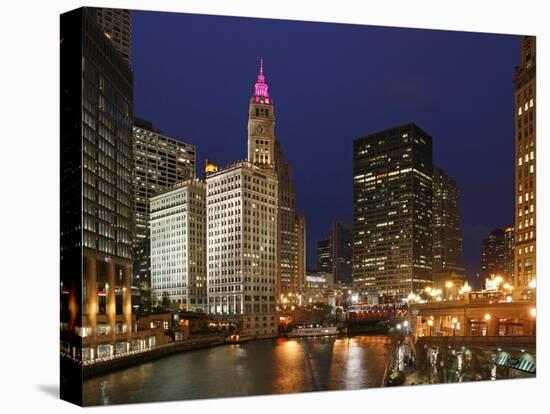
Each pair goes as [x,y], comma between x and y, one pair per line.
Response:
[533,284]
[454,324]
[533,312]
[448,286]
[430,324]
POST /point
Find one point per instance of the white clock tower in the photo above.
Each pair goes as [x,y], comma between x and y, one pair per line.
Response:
[261,125]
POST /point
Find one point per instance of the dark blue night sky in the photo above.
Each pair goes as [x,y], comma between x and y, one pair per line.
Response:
[332,83]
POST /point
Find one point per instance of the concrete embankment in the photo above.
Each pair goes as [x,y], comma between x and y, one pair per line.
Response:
[159,352]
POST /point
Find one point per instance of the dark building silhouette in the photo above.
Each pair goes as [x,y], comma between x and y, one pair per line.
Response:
[96,196]
[392,212]
[342,237]
[447,234]
[497,256]
[287,238]
[117,26]
[324,256]
[334,253]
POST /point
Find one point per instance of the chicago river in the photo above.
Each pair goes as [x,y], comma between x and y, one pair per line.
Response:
[274,366]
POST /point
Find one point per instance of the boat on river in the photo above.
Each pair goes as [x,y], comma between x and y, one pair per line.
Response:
[312,330]
[237,338]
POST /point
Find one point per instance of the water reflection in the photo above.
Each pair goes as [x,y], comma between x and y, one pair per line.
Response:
[252,368]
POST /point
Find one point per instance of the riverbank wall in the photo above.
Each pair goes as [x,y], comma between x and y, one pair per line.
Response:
[99,368]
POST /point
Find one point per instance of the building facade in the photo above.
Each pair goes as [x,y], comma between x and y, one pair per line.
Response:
[242,265]
[159,162]
[178,247]
[509,251]
[525,188]
[319,286]
[301,252]
[447,233]
[266,152]
[96,182]
[288,247]
[342,239]
[324,255]
[117,26]
[392,212]
[334,254]
[497,256]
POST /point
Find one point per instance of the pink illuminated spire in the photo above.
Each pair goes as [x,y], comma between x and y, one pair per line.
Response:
[261,87]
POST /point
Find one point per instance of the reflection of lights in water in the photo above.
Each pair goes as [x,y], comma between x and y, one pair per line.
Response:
[105,386]
[257,367]
[290,372]
[353,367]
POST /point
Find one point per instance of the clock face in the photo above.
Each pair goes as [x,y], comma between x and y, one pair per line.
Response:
[260,130]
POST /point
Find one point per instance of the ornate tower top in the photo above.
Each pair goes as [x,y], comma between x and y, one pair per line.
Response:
[261,124]
[261,93]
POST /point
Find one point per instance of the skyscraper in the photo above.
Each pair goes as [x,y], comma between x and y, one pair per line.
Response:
[159,162]
[525,188]
[117,26]
[447,235]
[392,212]
[324,255]
[178,246]
[301,253]
[266,152]
[287,243]
[334,254]
[243,215]
[242,247]
[342,237]
[497,258]
[96,197]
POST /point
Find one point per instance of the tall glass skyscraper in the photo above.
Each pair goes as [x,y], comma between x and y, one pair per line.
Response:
[392,212]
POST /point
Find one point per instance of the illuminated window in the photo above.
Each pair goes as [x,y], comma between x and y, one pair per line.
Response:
[531,103]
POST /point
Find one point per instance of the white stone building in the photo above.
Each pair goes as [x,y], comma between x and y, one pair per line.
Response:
[242,247]
[178,246]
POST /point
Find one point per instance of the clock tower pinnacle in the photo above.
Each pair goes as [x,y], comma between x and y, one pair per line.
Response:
[261,124]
